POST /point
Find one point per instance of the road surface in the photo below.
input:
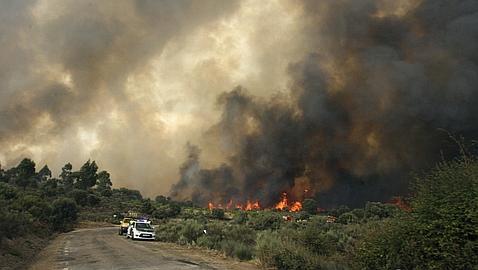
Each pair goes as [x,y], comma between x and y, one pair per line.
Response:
[103,248]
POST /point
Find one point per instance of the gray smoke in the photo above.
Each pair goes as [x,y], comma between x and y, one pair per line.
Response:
[366,106]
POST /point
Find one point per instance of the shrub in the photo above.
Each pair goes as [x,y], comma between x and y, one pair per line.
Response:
[217,213]
[348,218]
[265,220]
[240,217]
[309,206]
[166,211]
[215,233]
[227,246]
[13,224]
[64,213]
[376,210]
[7,192]
[439,233]
[80,196]
[93,200]
[241,234]
[191,231]
[243,252]
[294,256]
[268,245]
[168,232]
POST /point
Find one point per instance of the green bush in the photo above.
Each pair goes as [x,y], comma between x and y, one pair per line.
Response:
[80,196]
[439,233]
[348,218]
[13,224]
[168,232]
[240,217]
[93,200]
[265,220]
[215,233]
[243,252]
[166,211]
[7,192]
[268,246]
[191,231]
[217,213]
[241,234]
[64,214]
[309,206]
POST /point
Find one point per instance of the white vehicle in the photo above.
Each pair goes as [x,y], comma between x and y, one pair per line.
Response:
[141,229]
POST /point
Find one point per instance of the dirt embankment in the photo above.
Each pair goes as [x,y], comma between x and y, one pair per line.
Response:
[19,252]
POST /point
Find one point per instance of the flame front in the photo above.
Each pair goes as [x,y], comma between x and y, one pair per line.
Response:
[283,204]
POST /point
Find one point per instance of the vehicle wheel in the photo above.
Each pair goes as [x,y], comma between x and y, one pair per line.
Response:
[132,237]
[120,232]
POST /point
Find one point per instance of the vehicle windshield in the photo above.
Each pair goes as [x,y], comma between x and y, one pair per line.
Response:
[143,226]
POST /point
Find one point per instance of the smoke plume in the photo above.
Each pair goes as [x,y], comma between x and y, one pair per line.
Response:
[366,105]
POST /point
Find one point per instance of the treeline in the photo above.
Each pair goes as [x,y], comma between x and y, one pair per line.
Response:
[33,201]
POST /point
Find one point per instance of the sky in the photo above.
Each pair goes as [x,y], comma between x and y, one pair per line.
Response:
[172,97]
[129,83]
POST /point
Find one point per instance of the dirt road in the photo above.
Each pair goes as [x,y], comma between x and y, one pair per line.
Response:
[103,248]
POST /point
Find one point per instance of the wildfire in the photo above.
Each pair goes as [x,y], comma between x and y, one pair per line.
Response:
[296,206]
[401,203]
[250,205]
[283,204]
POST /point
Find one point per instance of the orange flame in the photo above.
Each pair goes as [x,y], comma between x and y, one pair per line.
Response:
[296,206]
[210,205]
[283,203]
[252,206]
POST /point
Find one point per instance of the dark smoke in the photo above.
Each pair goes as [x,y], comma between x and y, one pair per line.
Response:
[365,108]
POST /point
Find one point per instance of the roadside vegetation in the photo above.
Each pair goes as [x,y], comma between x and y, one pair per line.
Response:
[436,228]
[34,205]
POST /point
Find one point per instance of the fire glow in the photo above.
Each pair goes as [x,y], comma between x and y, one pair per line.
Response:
[282,205]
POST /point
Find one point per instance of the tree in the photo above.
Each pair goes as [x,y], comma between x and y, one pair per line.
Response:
[50,187]
[309,206]
[162,199]
[147,207]
[87,176]
[25,173]
[66,177]
[44,174]
[104,183]
[128,194]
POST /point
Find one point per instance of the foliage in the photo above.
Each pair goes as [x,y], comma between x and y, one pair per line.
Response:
[166,211]
[217,213]
[440,232]
[64,213]
[265,220]
[309,206]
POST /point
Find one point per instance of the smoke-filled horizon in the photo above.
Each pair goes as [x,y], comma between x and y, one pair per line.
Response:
[219,100]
